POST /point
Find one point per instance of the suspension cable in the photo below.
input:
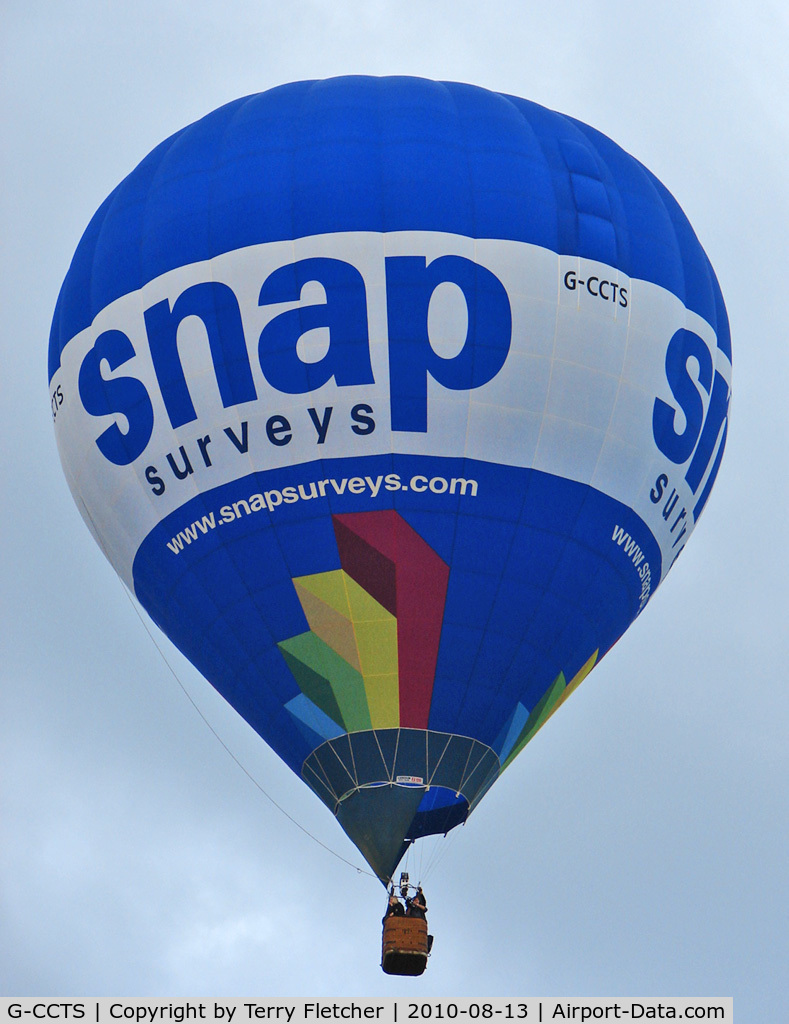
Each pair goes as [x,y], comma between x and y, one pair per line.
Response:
[253,780]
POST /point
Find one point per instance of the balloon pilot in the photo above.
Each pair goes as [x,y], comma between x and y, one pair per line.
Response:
[416,905]
[394,907]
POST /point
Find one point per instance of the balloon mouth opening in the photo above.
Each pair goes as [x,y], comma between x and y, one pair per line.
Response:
[439,811]
[382,820]
[388,787]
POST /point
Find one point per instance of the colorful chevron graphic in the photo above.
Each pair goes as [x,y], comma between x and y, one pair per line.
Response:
[368,660]
[523,724]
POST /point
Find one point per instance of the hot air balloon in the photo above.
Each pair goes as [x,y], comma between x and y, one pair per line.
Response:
[393,401]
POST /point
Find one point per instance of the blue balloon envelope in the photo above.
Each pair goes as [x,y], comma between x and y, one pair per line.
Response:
[393,401]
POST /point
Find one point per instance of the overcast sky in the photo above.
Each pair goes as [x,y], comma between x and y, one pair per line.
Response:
[639,845]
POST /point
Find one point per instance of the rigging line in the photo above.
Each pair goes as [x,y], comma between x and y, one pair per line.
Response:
[422,852]
[436,855]
[427,853]
[252,779]
[441,849]
[438,845]
[438,850]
